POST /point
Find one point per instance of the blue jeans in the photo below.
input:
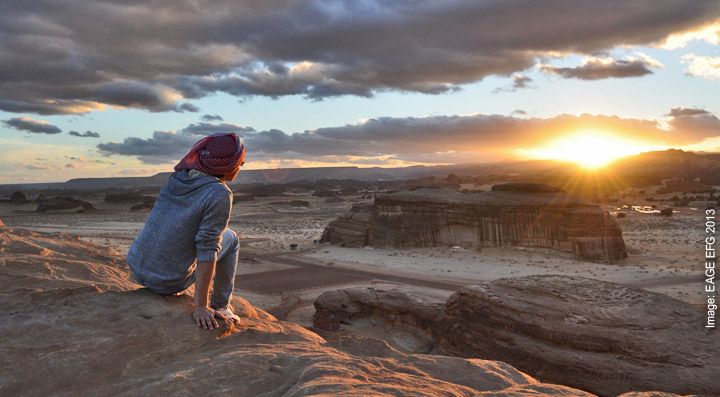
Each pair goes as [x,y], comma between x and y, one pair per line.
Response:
[223,279]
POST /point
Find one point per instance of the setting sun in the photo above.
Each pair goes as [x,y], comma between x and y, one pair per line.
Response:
[589,150]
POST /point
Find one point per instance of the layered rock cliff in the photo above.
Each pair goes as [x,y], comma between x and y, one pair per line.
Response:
[602,337]
[73,324]
[511,214]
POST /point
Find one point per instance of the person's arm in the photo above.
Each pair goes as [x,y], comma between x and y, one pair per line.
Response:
[207,239]
[204,315]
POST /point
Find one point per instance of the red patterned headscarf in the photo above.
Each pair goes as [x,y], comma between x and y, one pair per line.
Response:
[217,154]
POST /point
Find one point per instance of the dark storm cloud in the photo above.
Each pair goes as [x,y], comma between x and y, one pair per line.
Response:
[597,69]
[153,97]
[694,124]
[452,138]
[32,126]
[167,146]
[86,134]
[75,57]
[163,147]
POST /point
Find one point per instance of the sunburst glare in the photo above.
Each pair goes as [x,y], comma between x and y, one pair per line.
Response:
[589,149]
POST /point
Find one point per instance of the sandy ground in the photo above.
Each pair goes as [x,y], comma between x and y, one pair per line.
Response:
[665,252]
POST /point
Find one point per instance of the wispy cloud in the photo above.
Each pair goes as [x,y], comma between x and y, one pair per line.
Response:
[39,166]
[211,117]
[86,134]
[520,81]
[594,68]
[80,159]
[702,66]
[160,55]
[32,126]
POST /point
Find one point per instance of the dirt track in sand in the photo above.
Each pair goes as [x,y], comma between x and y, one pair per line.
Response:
[307,275]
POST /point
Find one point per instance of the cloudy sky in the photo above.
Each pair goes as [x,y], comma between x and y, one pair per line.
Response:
[94,88]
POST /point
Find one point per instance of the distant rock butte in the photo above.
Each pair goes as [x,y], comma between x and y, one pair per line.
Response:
[18,198]
[73,323]
[602,337]
[511,214]
[63,203]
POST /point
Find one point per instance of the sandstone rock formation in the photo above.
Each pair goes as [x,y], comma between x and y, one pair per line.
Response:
[511,214]
[63,203]
[18,198]
[602,337]
[72,323]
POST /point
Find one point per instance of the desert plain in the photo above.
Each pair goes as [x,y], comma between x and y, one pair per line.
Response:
[665,254]
[284,267]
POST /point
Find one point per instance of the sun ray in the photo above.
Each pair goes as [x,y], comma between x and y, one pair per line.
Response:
[589,149]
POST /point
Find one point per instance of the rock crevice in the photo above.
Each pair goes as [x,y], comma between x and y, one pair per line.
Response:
[69,307]
[602,337]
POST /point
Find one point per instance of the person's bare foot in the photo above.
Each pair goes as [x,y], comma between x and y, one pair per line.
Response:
[227,312]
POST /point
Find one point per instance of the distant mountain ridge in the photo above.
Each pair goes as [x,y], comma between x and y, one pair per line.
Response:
[281,175]
[652,166]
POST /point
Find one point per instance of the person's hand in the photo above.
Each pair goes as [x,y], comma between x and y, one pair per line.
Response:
[205,317]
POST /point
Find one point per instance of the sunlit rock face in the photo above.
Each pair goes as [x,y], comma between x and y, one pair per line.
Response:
[73,323]
[510,215]
[602,337]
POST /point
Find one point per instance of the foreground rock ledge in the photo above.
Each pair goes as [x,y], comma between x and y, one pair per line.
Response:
[602,337]
[511,214]
[72,323]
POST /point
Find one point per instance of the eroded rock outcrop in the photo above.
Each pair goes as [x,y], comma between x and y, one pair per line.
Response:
[511,214]
[18,198]
[63,203]
[72,323]
[602,337]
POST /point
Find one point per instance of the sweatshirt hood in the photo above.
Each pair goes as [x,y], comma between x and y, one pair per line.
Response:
[182,183]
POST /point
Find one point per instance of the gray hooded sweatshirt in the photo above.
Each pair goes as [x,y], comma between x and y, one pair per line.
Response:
[184,226]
